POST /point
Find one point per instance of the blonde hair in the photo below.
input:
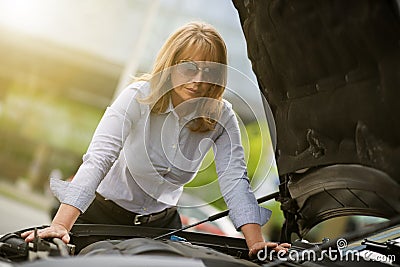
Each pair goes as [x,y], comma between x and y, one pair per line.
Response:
[196,37]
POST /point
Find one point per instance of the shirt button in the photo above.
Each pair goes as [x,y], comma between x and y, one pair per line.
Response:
[174,146]
[144,209]
[169,169]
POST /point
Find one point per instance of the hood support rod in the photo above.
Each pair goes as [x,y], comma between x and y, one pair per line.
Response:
[215,216]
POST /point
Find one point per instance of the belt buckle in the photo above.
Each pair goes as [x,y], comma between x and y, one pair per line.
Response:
[136,219]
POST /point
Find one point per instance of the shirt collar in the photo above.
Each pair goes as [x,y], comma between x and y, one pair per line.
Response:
[185,118]
[170,107]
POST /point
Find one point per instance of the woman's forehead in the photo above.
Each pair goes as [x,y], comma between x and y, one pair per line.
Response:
[194,53]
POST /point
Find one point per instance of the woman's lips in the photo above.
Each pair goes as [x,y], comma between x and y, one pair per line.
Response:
[192,90]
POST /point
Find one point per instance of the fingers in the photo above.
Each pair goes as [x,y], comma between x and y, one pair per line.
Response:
[30,238]
[283,247]
[25,234]
[261,245]
[46,233]
[65,239]
[28,235]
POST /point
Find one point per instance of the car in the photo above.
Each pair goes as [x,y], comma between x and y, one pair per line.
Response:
[330,72]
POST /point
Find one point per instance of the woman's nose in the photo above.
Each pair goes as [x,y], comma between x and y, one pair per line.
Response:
[198,78]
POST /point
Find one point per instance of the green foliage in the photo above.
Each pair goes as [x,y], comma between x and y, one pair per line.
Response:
[33,119]
[61,123]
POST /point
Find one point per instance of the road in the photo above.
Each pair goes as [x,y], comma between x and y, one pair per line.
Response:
[16,216]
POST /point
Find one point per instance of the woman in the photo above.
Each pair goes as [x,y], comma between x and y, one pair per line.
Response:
[151,141]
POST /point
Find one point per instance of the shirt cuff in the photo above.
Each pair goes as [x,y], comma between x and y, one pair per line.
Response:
[251,214]
[71,194]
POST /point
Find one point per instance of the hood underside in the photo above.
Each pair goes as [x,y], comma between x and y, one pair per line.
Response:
[330,71]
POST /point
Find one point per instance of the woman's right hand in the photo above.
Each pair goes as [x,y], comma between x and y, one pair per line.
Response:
[54,230]
[62,223]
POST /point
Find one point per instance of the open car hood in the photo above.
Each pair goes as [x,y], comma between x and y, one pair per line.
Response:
[330,71]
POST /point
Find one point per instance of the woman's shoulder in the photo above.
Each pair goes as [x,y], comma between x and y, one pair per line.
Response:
[141,87]
[128,97]
[226,106]
[226,112]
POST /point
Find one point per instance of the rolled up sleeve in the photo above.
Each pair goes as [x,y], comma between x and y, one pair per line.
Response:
[71,194]
[243,206]
[232,176]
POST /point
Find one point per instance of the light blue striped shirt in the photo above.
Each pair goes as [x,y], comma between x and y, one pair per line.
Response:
[141,160]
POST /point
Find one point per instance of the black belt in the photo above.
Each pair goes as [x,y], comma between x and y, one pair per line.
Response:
[135,218]
[141,219]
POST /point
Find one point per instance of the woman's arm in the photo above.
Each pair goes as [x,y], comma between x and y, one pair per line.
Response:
[103,150]
[244,210]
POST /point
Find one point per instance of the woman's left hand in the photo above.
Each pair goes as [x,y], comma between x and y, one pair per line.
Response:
[253,250]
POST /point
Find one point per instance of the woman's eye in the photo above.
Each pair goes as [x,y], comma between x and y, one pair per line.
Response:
[192,66]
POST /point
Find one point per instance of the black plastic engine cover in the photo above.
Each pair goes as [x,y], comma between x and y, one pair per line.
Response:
[14,248]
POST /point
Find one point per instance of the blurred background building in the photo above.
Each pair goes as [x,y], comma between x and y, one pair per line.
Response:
[62,63]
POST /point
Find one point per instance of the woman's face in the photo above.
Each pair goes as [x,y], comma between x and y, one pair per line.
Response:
[189,78]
